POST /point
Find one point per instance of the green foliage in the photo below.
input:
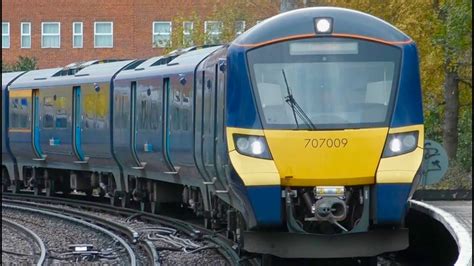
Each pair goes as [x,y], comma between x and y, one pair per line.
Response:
[23,63]
[227,12]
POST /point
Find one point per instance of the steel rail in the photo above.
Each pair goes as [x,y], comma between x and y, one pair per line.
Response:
[227,248]
[32,235]
[130,252]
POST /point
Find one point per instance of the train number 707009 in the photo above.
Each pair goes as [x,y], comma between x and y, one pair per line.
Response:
[326,143]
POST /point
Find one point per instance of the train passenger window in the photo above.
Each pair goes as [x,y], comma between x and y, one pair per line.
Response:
[122,113]
[19,116]
[48,112]
[96,108]
[61,115]
[148,109]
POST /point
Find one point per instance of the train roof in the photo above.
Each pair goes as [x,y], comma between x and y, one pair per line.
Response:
[8,77]
[184,62]
[301,22]
[96,72]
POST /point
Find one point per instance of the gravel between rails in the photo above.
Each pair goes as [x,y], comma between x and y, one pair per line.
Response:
[58,234]
[17,247]
[169,254]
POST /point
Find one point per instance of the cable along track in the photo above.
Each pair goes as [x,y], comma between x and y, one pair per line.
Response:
[128,248]
[224,246]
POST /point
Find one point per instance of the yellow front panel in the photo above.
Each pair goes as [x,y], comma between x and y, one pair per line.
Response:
[252,171]
[311,158]
[402,168]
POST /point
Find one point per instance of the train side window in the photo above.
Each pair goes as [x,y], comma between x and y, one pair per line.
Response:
[176,110]
[61,114]
[48,112]
[19,117]
[122,113]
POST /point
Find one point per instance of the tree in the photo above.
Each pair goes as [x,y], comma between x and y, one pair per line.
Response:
[454,38]
[23,63]
[287,5]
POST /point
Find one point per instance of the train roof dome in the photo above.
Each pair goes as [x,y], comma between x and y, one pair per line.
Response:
[8,77]
[302,22]
[98,72]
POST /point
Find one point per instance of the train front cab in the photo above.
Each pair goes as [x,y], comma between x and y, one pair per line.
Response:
[325,130]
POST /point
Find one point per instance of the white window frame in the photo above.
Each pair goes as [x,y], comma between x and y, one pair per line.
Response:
[6,34]
[25,35]
[153,34]
[74,34]
[205,27]
[243,29]
[104,34]
[189,33]
[51,34]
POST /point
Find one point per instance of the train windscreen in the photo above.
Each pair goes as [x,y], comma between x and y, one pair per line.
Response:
[328,83]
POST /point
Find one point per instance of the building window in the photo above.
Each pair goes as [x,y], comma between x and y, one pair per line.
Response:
[239,27]
[25,35]
[213,31]
[77,35]
[188,27]
[161,33]
[103,35]
[50,35]
[5,35]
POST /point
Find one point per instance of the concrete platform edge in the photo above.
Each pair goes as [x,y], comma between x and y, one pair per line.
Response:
[460,234]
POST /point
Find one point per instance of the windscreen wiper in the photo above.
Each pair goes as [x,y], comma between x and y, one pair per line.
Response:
[297,110]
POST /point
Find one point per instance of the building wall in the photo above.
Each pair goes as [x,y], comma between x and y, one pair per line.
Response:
[132,26]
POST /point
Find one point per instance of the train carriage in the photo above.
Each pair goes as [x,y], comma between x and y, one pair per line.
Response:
[303,137]
[67,126]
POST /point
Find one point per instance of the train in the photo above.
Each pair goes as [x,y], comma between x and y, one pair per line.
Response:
[301,138]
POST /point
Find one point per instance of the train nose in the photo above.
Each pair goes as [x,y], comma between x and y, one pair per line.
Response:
[342,157]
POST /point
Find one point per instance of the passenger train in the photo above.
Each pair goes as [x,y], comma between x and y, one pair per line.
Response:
[303,136]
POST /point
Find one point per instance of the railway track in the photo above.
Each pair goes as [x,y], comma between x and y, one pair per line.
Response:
[76,218]
[141,237]
[31,236]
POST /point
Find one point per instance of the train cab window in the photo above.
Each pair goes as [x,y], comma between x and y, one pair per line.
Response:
[20,112]
[337,83]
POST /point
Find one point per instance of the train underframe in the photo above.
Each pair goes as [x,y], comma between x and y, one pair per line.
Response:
[319,224]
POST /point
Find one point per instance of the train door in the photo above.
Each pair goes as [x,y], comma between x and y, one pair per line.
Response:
[166,124]
[77,124]
[198,122]
[133,126]
[220,151]
[208,121]
[148,124]
[35,133]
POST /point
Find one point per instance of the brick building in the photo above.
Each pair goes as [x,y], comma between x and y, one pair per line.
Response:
[59,32]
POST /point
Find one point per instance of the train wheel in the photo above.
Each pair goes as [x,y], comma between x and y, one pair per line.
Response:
[16,186]
[266,260]
[50,187]
[154,207]
[5,180]
[125,200]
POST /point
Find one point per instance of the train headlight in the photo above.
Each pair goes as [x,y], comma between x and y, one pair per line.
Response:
[323,25]
[255,146]
[400,143]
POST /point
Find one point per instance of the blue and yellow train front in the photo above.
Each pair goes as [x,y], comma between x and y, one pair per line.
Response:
[324,121]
